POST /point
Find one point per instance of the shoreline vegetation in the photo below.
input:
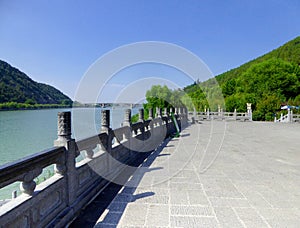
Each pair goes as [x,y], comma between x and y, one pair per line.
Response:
[14,106]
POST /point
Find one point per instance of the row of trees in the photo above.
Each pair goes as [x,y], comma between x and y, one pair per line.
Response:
[267,85]
[28,106]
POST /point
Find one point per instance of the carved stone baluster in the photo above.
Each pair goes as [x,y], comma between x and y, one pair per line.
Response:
[28,184]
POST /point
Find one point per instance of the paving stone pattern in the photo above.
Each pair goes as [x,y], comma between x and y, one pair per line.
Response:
[218,174]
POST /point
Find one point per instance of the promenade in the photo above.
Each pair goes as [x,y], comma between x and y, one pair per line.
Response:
[217,174]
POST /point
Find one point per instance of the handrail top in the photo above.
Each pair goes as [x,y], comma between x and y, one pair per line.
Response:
[32,157]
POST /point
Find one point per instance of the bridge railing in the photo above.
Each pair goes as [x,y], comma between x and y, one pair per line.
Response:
[220,115]
[75,182]
[288,118]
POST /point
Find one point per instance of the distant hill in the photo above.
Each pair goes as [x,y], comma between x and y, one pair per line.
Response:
[267,82]
[16,86]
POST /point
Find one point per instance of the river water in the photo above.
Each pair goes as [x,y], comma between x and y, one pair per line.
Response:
[26,132]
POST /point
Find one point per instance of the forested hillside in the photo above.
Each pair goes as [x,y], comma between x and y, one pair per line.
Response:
[266,82]
[17,87]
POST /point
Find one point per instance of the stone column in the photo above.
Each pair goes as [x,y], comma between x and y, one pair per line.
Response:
[105,120]
[222,114]
[176,111]
[249,111]
[141,115]
[234,114]
[67,166]
[63,128]
[165,111]
[289,115]
[150,114]
[158,113]
[127,119]
[207,113]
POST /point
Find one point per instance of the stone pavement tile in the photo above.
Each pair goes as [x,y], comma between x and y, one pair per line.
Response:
[220,188]
[227,217]
[157,215]
[122,197]
[186,173]
[116,206]
[192,221]
[256,200]
[179,197]
[190,186]
[153,199]
[158,183]
[212,172]
[256,224]
[184,180]
[284,223]
[110,218]
[279,213]
[160,191]
[197,197]
[283,204]
[135,215]
[191,210]
[222,192]
[228,202]
[250,217]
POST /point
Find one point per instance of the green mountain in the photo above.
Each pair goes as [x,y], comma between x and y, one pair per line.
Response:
[267,82]
[16,86]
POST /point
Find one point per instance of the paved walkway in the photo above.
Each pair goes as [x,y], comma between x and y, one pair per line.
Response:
[217,174]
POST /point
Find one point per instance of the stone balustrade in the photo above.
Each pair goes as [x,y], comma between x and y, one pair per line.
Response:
[59,199]
[221,115]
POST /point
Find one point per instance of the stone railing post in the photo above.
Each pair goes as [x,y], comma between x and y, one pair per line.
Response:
[249,111]
[150,113]
[165,111]
[105,128]
[207,113]
[105,121]
[158,112]
[141,115]
[289,115]
[127,118]
[176,111]
[142,120]
[68,169]
[222,114]
[179,111]
[234,114]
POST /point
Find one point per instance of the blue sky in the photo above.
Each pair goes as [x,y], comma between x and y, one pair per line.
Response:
[56,41]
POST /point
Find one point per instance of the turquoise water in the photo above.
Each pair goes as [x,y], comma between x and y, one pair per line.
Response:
[26,132]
